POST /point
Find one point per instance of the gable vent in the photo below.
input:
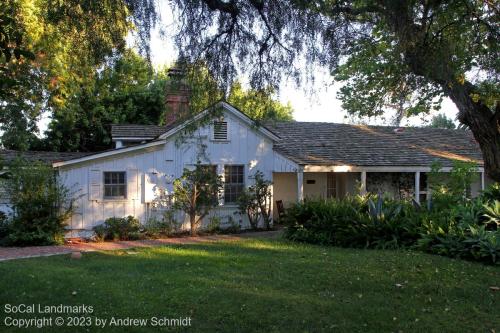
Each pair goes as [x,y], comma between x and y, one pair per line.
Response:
[220,130]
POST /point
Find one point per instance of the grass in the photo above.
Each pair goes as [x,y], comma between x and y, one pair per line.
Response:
[264,286]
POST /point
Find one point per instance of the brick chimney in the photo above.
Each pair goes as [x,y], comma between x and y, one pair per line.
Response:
[176,95]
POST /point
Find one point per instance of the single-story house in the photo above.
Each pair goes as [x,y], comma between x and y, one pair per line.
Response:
[302,159]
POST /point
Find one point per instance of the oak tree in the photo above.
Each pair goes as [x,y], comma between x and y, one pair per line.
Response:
[434,47]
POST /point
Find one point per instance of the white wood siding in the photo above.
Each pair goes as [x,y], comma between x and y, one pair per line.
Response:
[163,163]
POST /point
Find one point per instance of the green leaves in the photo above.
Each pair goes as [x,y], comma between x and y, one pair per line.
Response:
[196,192]
[493,213]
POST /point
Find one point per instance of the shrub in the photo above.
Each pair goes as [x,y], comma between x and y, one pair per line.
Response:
[41,205]
[256,202]
[196,192]
[4,226]
[492,213]
[466,242]
[231,226]
[118,228]
[166,226]
[100,232]
[492,193]
[213,225]
[247,204]
[352,222]
[461,231]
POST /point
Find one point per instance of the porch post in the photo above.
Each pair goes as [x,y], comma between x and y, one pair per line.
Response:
[417,186]
[300,185]
[363,182]
[482,181]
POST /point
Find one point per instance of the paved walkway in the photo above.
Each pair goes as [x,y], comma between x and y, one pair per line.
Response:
[9,253]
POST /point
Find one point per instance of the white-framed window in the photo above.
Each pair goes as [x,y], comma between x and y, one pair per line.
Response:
[220,130]
[115,184]
[234,183]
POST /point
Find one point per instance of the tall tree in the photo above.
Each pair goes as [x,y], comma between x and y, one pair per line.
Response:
[259,104]
[441,121]
[435,46]
[125,91]
[66,41]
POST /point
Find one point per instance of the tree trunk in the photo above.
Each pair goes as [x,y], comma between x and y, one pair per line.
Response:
[481,120]
[484,124]
[192,222]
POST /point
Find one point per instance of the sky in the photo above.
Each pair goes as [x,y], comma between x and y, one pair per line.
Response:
[313,103]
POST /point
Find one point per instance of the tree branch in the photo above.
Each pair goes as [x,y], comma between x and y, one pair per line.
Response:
[260,9]
[371,8]
[223,6]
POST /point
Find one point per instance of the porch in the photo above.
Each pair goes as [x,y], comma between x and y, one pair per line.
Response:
[332,182]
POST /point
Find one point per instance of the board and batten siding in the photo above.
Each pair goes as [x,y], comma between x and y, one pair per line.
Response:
[161,165]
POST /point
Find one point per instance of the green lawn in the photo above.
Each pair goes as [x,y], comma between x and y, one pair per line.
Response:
[264,286]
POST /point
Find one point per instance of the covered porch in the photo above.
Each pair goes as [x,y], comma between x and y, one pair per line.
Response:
[321,182]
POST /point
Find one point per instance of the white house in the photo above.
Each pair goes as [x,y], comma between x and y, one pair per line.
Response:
[302,159]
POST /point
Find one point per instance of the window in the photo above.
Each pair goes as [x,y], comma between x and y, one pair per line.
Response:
[220,130]
[331,185]
[115,186]
[234,182]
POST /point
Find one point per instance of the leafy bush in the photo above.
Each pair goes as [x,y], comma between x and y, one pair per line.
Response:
[41,205]
[4,226]
[213,225]
[492,213]
[492,193]
[352,222]
[166,226]
[468,229]
[466,242]
[196,192]
[231,226]
[256,202]
[118,228]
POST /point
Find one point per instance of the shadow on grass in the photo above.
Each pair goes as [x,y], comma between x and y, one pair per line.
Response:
[256,285]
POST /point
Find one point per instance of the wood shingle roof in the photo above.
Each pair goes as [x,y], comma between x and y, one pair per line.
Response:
[312,143]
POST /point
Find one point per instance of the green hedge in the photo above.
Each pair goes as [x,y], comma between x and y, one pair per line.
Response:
[118,228]
[467,229]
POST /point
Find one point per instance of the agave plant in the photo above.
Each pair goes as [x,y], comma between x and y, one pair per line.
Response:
[493,213]
[378,213]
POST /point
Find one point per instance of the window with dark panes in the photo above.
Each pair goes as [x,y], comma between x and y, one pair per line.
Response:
[234,182]
[115,185]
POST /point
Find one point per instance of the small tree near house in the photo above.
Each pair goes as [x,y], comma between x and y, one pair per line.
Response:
[247,204]
[41,205]
[256,201]
[196,192]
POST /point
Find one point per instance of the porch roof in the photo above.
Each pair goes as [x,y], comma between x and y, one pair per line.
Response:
[313,143]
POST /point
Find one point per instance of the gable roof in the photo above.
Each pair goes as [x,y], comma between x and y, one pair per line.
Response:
[227,107]
[150,132]
[43,156]
[312,143]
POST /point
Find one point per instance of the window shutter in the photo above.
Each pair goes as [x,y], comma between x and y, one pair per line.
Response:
[95,185]
[149,187]
[132,184]
[220,130]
